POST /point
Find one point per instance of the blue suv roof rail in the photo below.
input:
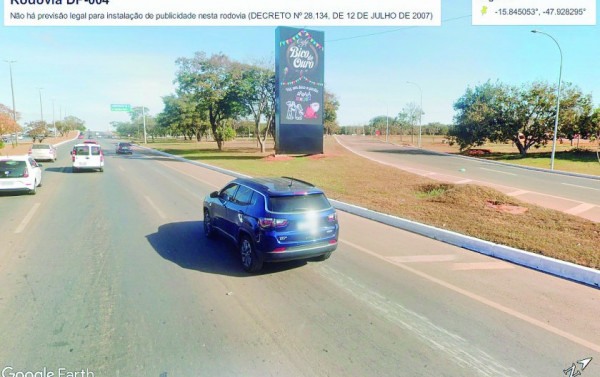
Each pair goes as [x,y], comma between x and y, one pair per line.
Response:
[299,180]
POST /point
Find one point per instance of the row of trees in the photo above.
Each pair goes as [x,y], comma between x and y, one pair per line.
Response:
[37,130]
[217,95]
[524,115]
[404,123]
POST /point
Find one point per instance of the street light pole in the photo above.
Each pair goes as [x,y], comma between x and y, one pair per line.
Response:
[557,98]
[53,119]
[387,123]
[41,108]
[12,90]
[144,119]
[420,108]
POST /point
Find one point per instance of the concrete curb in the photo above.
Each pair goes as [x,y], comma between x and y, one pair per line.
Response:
[538,262]
[566,270]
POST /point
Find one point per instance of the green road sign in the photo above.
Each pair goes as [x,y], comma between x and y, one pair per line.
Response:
[120,107]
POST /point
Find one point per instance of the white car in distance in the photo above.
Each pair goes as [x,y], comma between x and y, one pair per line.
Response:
[43,152]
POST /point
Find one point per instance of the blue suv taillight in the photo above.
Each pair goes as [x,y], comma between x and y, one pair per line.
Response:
[269,222]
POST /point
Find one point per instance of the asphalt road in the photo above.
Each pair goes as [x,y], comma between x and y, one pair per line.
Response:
[110,273]
[575,195]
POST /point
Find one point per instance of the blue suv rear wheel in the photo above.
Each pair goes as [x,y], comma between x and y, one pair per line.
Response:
[250,260]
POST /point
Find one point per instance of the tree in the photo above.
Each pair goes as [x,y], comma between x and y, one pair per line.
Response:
[381,122]
[74,123]
[331,106]
[37,130]
[8,125]
[595,124]
[477,114]
[183,116]
[214,84]
[137,115]
[524,115]
[576,114]
[411,115]
[255,93]
[124,129]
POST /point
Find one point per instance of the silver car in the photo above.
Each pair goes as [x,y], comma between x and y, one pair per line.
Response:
[43,152]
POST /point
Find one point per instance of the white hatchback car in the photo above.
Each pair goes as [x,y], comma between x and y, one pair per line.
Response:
[88,157]
[43,152]
[20,173]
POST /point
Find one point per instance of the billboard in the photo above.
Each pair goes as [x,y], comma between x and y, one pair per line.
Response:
[299,91]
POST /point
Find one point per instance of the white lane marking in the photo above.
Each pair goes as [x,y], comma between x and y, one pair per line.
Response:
[459,350]
[160,213]
[161,172]
[578,186]
[463,181]
[498,171]
[191,176]
[482,266]
[27,218]
[517,193]
[483,300]
[580,208]
[423,258]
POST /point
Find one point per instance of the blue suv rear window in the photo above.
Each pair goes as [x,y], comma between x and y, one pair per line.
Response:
[298,203]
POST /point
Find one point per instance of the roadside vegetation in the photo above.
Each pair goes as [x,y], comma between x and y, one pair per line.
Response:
[468,209]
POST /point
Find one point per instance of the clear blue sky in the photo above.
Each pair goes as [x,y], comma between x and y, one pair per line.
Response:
[85,69]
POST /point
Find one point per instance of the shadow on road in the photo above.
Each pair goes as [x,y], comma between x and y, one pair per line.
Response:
[406,151]
[58,169]
[185,244]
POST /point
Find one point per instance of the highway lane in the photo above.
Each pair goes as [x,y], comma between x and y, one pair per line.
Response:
[114,275]
[575,195]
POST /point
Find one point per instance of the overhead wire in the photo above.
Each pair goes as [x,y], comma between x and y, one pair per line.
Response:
[392,30]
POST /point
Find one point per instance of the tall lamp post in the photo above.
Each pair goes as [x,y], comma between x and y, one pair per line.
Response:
[41,108]
[387,123]
[12,90]
[53,119]
[420,108]
[144,120]
[557,98]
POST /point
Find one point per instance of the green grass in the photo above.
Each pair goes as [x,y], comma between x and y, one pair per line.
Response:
[462,208]
[576,160]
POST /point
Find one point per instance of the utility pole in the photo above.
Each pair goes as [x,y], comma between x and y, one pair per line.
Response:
[12,90]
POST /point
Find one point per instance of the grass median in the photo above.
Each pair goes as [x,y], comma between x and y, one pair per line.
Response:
[476,211]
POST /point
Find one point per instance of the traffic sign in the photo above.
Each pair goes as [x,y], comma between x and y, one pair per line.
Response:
[120,107]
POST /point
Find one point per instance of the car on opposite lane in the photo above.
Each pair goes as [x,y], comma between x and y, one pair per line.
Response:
[124,148]
[20,173]
[273,220]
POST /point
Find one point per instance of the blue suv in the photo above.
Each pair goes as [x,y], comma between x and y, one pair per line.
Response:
[273,220]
